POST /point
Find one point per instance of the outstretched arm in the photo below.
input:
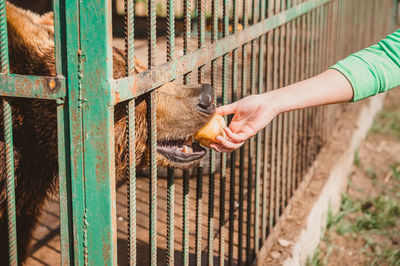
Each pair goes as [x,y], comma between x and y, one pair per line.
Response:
[365,73]
[256,111]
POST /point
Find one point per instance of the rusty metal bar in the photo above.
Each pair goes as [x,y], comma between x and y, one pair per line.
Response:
[40,87]
[130,87]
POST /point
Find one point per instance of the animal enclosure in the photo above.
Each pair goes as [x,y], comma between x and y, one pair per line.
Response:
[223,211]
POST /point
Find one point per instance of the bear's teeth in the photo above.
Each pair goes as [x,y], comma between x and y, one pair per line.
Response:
[185,149]
[189,141]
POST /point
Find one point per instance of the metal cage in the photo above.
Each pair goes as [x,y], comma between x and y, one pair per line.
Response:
[225,214]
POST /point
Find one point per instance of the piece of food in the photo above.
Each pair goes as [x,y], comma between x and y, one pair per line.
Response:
[211,130]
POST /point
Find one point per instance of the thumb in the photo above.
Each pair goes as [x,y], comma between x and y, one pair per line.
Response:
[227,109]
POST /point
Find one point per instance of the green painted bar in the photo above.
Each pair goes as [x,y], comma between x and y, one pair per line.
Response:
[64,173]
[131,184]
[68,15]
[100,235]
[40,87]
[9,146]
[65,196]
[130,87]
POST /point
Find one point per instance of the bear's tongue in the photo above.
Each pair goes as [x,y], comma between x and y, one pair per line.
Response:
[181,150]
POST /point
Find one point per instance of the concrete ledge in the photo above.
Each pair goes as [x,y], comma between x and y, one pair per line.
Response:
[303,221]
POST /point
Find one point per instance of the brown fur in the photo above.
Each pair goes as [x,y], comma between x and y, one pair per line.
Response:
[31,52]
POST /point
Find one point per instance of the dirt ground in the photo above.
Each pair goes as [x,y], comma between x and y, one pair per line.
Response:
[366,231]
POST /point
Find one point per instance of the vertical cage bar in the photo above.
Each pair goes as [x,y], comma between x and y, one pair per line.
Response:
[185,219]
[279,150]
[201,33]
[11,213]
[129,36]
[288,80]
[8,141]
[267,143]
[186,79]
[199,185]
[199,198]
[243,148]
[223,179]
[131,159]
[66,241]
[131,183]
[232,181]
[293,69]
[170,173]
[250,175]
[152,34]
[211,180]
[151,112]
[152,122]
[273,170]
[260,86]
[170,216]
[186,33]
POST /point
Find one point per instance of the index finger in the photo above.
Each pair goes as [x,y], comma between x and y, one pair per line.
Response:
[227,109]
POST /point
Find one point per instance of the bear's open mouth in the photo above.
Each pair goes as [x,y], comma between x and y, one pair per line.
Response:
[181,150]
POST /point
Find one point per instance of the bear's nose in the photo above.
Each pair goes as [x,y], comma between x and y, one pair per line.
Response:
[206,99]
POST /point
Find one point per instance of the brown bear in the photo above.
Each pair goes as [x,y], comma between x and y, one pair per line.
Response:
[182,111]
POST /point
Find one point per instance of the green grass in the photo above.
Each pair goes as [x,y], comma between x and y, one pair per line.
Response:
[357,161]
[315,260]
[387,123]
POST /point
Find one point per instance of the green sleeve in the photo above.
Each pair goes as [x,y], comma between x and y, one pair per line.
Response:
[374,69]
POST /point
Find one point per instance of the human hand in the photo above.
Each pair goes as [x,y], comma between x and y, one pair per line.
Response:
[252,114]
